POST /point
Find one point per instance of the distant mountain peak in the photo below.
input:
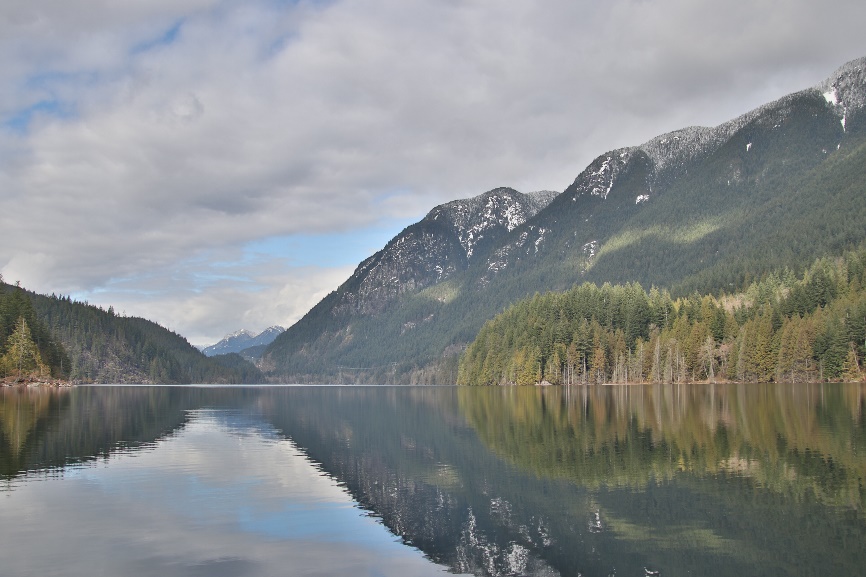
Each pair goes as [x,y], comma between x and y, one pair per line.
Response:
[240,333]
[243,339]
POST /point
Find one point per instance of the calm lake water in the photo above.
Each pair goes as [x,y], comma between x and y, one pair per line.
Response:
[628,481]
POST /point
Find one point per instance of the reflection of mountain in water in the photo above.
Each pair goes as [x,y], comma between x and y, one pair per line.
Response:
[48,428]
[407,456]
[743,480]
[537,481]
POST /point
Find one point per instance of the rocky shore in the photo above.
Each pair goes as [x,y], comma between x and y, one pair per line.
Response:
[34,382]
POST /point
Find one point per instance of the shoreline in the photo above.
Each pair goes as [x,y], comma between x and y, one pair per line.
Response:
[35,382]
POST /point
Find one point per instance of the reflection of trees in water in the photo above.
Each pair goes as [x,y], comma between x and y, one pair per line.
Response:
[646,493]
[579,480]
[791,438]
[407,456]
[44,428]
[21,410]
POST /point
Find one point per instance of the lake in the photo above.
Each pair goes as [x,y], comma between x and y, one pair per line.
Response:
[601,480]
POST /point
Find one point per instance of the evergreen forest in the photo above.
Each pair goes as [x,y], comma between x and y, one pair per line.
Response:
[782,188]
[57,338]
[783,328]
[28,350]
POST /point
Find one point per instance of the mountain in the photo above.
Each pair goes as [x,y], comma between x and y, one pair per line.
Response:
[697,209]
[243,339]
[86,344]
[422,259]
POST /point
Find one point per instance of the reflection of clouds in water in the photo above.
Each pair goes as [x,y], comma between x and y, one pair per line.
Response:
[216,499]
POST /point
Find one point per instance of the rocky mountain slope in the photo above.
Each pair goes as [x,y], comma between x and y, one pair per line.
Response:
[704,209]
[243,339]
[444,243]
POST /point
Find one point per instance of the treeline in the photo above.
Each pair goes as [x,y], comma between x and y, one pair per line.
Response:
[783,328]
[104,347]
[28,350]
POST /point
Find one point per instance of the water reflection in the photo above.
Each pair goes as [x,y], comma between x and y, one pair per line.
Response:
[698,479]
[708,480]
[222,495]
[799,440]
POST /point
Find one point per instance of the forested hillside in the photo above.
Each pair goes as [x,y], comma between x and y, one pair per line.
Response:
[28,350]
[85,344]
[783,329]
[698,209]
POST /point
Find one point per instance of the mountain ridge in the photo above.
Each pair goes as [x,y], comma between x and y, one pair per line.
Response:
[693,209]
[84,343]
[240,340]
[454,234]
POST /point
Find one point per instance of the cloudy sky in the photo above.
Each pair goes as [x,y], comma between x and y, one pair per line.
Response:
[215,165]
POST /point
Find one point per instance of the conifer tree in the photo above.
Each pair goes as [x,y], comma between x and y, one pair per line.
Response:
[851,372]
[22,357]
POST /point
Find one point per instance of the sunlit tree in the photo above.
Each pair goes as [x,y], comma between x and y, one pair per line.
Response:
[22,357]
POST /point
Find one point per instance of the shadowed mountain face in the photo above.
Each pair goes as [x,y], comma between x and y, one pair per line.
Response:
[704,209]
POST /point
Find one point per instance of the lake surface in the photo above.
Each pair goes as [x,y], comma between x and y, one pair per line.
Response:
[680,480]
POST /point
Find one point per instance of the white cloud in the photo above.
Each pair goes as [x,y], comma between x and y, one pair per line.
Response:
[137,136]
[217,498]
[252,299]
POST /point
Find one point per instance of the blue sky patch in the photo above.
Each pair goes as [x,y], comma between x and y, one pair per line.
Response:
[165,39]
[20,122]
[333,249]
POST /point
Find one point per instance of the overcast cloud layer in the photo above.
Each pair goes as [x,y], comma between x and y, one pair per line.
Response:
[190,161]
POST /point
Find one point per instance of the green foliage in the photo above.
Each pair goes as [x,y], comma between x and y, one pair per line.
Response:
[84,343]
[36,351]
[807,329]
[785,190]
[22,357]
[247,372]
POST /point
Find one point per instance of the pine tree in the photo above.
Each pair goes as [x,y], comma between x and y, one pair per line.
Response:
[851,371]
[528,366]
[760,362]
[597,364]
[22,356]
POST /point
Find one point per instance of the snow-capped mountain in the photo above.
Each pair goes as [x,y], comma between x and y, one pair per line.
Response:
[700,208]
[816,120]
[432,250]
[243,339]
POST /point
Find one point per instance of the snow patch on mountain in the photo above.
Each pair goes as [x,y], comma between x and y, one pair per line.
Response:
[845,89]
[243,339]
[670,153]
[599,177]
[432,250]
[500,208]
[675,149]
[541,198]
